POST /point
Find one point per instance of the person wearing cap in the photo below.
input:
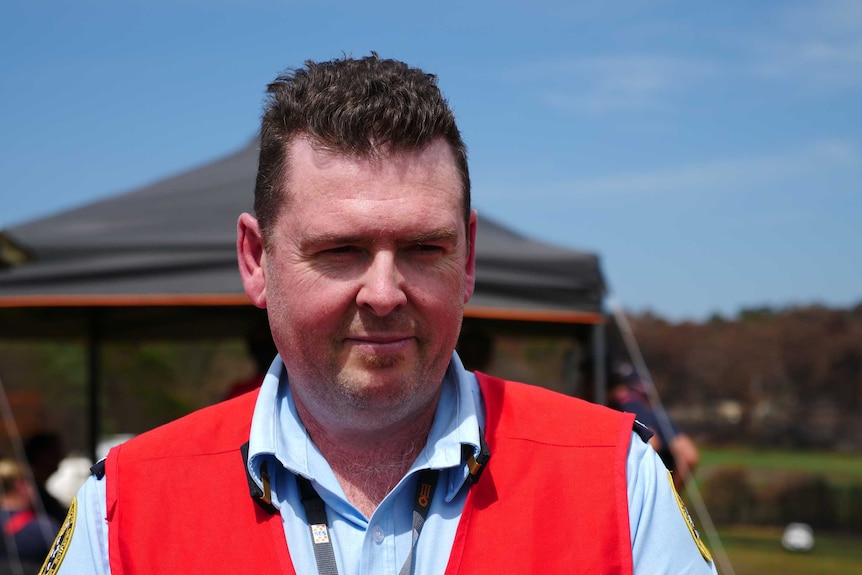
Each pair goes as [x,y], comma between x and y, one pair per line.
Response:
[677,450]
[368,447]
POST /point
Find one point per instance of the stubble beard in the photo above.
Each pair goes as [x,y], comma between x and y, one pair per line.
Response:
[386,384]
[367,390]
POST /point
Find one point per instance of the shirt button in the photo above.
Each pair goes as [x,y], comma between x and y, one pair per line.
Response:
[377,534]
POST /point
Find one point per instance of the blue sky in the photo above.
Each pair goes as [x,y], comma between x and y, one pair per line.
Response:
[710,152]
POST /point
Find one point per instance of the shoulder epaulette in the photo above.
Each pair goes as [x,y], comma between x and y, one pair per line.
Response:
[98,469]
[642,430]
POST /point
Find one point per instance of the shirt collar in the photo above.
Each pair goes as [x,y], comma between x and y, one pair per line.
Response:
[277,432]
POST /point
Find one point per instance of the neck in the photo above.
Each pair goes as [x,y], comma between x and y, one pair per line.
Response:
[369,463]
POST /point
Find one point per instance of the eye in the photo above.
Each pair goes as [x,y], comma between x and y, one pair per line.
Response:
[342,250]
[343,253]
[426,249]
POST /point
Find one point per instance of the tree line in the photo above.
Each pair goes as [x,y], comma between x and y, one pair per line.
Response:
[787,377]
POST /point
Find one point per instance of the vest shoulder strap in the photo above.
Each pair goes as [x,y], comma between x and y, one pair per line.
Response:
[171,491]
[554,490]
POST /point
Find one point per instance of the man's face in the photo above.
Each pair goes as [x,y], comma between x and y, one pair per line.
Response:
[368,269]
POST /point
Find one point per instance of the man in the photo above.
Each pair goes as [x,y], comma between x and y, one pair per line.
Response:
[367,446]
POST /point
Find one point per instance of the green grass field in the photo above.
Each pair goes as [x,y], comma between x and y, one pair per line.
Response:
[838,466]
[757,550]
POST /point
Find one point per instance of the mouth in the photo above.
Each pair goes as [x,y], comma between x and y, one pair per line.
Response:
[384,344]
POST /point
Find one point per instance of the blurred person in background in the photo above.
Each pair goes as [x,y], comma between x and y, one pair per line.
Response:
[44,452]
[261,349]
[627,392]
[27,534]
[476,349]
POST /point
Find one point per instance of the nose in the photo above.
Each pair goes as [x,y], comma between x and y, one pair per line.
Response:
[382,285]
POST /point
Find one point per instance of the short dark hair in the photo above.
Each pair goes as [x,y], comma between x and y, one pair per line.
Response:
[362,108]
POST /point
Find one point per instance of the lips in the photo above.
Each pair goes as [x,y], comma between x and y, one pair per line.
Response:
[381,344]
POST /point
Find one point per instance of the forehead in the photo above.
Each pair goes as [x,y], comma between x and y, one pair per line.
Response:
[321,181]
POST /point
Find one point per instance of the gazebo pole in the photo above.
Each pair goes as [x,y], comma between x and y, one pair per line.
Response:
[94,377]
[600,375]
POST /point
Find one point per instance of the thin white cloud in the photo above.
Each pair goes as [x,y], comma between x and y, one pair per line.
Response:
[602,84]
[833,18]
[815,44]
[721,176]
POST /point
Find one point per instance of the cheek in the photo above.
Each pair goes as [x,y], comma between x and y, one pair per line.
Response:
[440,287]
[439,302]
[304,301]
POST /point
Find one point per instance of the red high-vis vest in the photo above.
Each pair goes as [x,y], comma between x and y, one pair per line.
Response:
[552,499]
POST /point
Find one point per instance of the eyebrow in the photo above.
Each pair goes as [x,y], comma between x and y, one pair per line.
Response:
[345,239]
[434,236]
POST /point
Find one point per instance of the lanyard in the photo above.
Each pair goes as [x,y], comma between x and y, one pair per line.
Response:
[315,509]
[315,514]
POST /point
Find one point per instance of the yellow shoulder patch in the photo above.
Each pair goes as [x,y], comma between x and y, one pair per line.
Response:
[701,546]
[61,543]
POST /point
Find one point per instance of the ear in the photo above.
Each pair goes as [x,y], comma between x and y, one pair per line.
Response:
[470,268]
[251,257]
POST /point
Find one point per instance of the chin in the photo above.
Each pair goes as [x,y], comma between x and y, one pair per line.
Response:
[378,386]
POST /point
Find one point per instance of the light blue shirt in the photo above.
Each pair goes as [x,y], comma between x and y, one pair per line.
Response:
[379,545]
